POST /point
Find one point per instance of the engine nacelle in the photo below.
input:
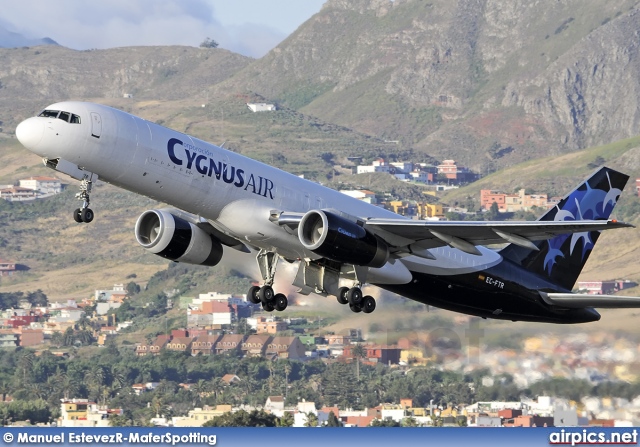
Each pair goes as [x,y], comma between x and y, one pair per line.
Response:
[171,237]
[339,239]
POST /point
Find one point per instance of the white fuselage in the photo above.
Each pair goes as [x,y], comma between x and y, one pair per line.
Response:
[234,192]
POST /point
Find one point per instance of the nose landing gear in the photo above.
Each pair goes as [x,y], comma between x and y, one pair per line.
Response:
[84,213]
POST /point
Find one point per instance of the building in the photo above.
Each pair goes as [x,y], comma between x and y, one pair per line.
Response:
[604,287]
[512,202]
[18,194]
[182,344]
[7,268]
[385,354]
[204,344]
[105,295]
[361,194]
[286,348]
[154,347]
[216,310]
[256,345]
[229,343]
[261,107]
[84,413]
[270,326]
[30,337]
[198,416]
[378,165]
[274,405]
[453,173]
[8,338]
[44,185]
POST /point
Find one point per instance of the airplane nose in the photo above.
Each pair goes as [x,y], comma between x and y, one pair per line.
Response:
[30,132]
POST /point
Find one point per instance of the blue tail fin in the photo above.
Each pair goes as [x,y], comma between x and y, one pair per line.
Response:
[562,258]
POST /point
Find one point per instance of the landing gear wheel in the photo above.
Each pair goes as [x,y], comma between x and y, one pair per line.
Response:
[252,295]
[342,295]
[368,304]
[266,294]
[354,295]
[281,302]
[76,215]
[268,306]
[355,308]
[86,215]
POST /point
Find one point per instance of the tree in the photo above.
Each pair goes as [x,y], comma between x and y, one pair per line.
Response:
[358,352]
[243,419]
[333,421]
[68,338]
[312,420]
[57,339]
[25,364]
[133,288]
[209,43]
[286,420]
[494,212]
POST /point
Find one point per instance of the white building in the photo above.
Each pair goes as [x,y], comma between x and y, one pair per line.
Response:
[45,185]
[261,107]
[402,167]
[84,413]
[300,415]
[378,165]
[105,295]
[361,194]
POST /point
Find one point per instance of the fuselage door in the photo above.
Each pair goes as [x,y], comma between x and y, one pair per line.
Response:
[96,125]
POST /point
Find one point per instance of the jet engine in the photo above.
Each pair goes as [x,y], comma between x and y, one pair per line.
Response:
[339,239]
[174,238]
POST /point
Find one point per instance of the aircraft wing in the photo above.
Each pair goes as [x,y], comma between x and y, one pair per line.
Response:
[579,301]
[465,235]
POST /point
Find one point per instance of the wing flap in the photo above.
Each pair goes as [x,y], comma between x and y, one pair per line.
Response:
[439,233]
[579,301]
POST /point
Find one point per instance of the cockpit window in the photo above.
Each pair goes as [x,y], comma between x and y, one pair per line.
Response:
[64,116]
[49,113]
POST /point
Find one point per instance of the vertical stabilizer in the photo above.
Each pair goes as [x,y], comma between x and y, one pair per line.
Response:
[562,258]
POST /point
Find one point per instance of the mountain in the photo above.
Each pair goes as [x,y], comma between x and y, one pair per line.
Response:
[10,39]
[487,82]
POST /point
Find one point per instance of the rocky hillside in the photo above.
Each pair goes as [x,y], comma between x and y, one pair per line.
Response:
[488,82]
[32,77]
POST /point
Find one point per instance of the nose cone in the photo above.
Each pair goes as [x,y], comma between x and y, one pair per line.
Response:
[30,132]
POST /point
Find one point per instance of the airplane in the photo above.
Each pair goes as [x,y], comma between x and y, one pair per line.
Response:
[221,202]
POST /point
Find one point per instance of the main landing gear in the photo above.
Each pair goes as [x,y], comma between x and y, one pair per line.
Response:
[354,298]
[270,300]
[267,261]
[84,213]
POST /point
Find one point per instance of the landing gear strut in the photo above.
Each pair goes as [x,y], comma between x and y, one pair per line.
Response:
[84,213]
[267,261]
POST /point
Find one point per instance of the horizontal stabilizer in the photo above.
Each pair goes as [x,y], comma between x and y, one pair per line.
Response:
[580,301]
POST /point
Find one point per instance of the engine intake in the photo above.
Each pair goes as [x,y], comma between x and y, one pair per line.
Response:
[171,237]
[339,239]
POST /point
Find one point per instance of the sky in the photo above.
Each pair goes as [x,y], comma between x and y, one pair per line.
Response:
[248,27]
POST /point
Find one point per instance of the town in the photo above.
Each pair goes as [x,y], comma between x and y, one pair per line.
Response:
[228,328]
[211,356]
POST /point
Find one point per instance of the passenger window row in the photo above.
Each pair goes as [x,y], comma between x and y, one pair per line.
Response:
[64,116]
